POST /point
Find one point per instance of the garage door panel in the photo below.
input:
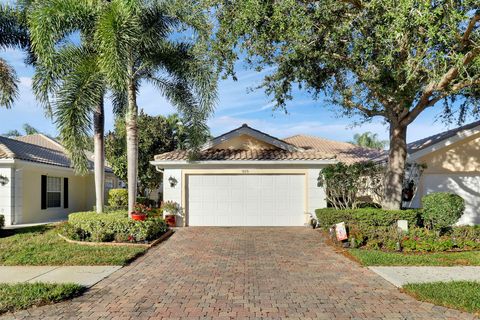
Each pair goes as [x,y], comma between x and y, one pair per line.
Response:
[246,200]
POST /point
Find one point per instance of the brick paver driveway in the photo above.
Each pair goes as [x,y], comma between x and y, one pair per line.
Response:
[239,273]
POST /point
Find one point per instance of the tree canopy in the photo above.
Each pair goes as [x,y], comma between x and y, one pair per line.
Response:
[386,58]
[156,134]
[369,140]
[13,34]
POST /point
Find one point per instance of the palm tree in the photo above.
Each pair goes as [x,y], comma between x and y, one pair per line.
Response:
[134,44]
[369,140]
[13,34]
[68,81]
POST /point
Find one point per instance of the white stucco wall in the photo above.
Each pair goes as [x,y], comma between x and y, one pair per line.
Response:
[173,193]
[7,195]
[316,194]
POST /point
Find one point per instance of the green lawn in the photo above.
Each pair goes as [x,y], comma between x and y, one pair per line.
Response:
[21,296]
[462,295]
[41,246]
[380,258]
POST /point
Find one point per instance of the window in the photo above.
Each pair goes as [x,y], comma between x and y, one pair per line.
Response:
[108,183]
[54,192]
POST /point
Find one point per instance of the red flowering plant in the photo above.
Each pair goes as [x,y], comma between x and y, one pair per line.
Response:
[141,209]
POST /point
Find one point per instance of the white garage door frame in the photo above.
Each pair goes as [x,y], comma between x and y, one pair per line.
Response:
[187,173]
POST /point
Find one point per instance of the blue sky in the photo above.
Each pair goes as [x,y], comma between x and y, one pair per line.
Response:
[236,105]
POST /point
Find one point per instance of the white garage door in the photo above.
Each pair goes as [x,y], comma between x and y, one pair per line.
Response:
[466,186]
[246,200]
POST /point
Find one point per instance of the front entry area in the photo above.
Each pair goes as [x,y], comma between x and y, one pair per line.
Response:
[245,200]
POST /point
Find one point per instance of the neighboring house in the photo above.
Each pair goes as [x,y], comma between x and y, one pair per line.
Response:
[38,183]
[453,165]
[248,178]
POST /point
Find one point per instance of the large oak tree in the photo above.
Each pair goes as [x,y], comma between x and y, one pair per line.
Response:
[379,58]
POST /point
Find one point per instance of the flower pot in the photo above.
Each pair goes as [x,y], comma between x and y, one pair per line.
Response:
[138,217]
[171,220]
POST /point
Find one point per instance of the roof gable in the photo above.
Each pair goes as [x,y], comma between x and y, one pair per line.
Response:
[441,140]
[246,138]
[41,140]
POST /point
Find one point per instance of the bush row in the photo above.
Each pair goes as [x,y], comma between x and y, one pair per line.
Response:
[118,199]
[366,217]
[2,221]
[113,226]
[416,239]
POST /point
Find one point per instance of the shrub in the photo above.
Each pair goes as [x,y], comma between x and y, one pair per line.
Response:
[118,198]
[91,226]
[2,221]
[146,201]
[442,209]
[366,217]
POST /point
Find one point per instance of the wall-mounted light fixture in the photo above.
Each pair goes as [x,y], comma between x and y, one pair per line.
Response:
[173,182]
[3,180]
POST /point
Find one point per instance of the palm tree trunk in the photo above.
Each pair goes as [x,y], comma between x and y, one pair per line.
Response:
[132,145]
[395,173]
[99,156]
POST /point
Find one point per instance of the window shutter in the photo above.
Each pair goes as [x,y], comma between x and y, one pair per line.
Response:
[44,193]
[65,193]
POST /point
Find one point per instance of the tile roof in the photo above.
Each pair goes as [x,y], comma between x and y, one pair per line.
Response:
[431,140]
[344,151]
[228,154]
[31,152]
[39,148]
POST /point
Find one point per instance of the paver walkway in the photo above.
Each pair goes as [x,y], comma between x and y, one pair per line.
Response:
[86,276]
[235,273]
[399,276]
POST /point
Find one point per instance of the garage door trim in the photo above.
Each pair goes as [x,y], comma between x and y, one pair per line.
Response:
[188,172]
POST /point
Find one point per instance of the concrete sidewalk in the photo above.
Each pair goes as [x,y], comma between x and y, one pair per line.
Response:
[399,276]
[86,276]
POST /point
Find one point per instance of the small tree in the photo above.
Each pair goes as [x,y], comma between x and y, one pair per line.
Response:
[345,184]
[156,134]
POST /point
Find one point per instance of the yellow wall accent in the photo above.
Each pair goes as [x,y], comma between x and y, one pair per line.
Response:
[244,142]
[462,156]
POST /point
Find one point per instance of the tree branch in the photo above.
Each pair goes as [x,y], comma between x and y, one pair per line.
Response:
[470,27]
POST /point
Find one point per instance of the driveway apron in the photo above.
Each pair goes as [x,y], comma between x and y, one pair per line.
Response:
[232,273]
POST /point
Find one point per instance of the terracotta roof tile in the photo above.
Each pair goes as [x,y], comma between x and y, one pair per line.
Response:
[39,148]
[228,154]
[344,151]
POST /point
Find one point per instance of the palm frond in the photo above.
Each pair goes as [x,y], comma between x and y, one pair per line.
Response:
[47,79]
[81,90]
[52,21]
[8,84]
[116,33]
[13,32]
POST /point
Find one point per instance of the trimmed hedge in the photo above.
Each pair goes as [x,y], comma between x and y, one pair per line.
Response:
[366,217]
[442,209]
[113,226]
[2,221]
[416,239]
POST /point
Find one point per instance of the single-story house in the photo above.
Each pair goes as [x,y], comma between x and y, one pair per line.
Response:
[452,160]
[246,177]
[38,183]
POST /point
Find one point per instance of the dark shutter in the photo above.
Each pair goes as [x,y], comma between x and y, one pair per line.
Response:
[65,193]
[44,193]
